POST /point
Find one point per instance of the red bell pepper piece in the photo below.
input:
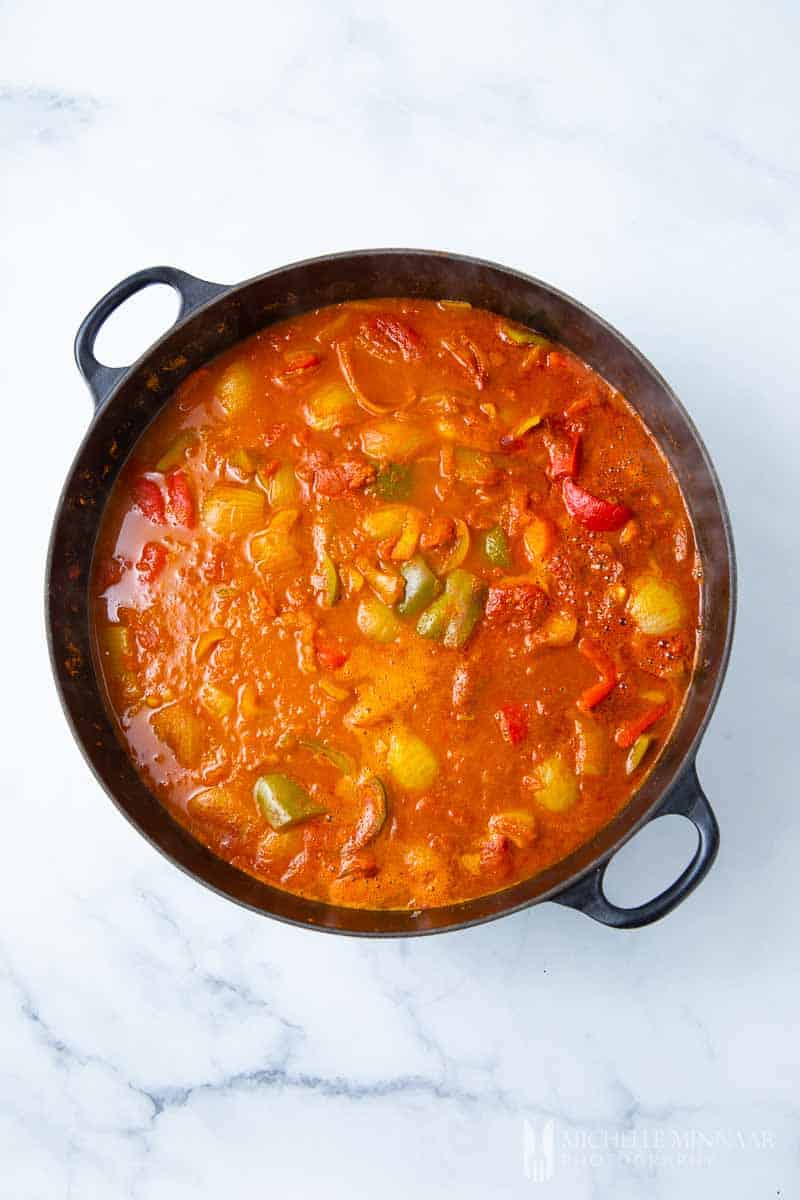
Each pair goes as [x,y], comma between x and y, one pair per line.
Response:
[181,500]
[149,499]
[564,456]
[629,731]
[592,512]
[331,655]
[152,560]
[513,723]
[606,669]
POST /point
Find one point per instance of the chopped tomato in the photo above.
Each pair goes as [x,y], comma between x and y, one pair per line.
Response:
[513,723]
[591,511]
[396,334]
[181,500]
[517,603]
[149,499]
[331,655]
[496,854]
[347,475]
[152,560]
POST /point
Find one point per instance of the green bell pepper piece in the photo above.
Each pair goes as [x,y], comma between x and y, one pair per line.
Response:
[452,618]
[422,586]
[496,548]
[394,481]
[283,802]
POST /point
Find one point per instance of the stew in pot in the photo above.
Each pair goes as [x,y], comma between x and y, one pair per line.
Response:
[396,603]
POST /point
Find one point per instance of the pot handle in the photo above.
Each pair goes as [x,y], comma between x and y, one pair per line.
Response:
[686,800]
[101,379]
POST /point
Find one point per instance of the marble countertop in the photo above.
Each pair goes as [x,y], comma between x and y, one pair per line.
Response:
[157,1042]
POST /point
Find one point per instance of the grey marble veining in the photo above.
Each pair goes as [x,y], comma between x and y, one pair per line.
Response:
[156,1042]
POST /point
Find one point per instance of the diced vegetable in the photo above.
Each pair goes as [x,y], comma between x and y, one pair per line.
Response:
[538,540]
[283,802]
[352,579]
[387,585]
[606,669]
[242,463]
[629,731]
[386,331]
[406,544]
[556,788]
[282,489]
[591,511]
[475,468]
[399,523]
[384,522]
[559,629]
[422,586]
[373,817]
[656,606]
[394,481]
[224,808]
[459,549]
[519,335]
[629,533]
[181,500]
[513,440]
[591,755]
[216,701]
[249,704]
[637,753]
[116,646]
[300,361]
[376,621]
[231,510]
[331,407]
[452,617]
[236,387]
[564,451]
[176,453]
[517,603]
[331,655]
[513,721]
[394,441]
[325,580]
[152,560]
[333,690]
[496,548]
[518,825]
[411,761]
[343,762]
[179,729]
[272,550]
[207,641]
[149,499]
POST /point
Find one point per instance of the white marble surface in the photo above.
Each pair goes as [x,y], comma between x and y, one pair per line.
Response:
[155,1041]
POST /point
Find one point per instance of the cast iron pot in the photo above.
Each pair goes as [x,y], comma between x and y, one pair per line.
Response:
[213,317]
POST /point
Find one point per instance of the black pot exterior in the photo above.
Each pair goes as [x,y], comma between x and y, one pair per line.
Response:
[213,318]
